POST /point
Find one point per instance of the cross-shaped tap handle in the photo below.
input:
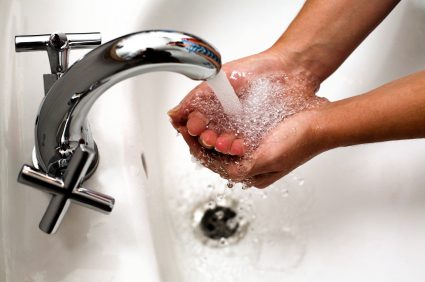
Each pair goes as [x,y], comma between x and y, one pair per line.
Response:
[57,46]
[66,189]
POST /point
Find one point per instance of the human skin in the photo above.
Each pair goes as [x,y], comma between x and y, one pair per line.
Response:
[316,43]
[192,124]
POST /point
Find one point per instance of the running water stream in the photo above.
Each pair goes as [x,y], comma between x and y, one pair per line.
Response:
[225,93]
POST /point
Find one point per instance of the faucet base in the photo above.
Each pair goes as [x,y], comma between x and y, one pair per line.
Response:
[94,163]
[90,171]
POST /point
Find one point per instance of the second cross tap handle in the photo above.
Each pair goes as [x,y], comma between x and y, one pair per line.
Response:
[57,46]
[66,189]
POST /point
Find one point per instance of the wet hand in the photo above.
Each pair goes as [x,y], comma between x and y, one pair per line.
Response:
[230,153]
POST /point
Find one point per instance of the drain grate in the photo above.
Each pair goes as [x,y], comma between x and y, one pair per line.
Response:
[219,225]
[220,222]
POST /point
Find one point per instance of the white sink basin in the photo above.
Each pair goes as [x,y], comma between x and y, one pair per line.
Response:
[352,214]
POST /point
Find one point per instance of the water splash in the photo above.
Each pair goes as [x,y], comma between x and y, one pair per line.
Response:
[265,101]
[284,193]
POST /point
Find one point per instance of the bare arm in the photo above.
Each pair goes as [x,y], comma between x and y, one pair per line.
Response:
[317,42]
[391,112]
[325,32]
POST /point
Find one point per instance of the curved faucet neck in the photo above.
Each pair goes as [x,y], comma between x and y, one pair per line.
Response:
[61,122]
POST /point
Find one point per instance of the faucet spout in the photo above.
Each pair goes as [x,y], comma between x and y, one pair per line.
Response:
[61,125]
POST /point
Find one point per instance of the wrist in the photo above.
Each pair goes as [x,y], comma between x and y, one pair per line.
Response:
[290,64]
[323,136]
[307,60]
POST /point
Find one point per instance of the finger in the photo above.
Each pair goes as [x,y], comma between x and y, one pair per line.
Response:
[193,144]
[208,139]
[196,123]
[237,148]
[199,153]
[177,115]
[224,143]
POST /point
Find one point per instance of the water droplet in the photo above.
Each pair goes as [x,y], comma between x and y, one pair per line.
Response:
[300,181]
[219,197]
[245,186]
[211,204]
[223,242]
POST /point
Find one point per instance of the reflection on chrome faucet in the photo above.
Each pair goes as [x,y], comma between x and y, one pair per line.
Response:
[65,152]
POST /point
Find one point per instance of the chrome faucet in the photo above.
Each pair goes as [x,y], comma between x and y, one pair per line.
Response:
[65,153]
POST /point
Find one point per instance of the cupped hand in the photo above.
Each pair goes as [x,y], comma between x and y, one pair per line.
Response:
[273,135]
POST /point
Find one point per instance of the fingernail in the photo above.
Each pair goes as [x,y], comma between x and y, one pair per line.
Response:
[205,144]
[190,133]
[219,151]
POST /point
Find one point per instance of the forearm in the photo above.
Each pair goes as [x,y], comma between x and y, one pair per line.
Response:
[391,112]
[325,32]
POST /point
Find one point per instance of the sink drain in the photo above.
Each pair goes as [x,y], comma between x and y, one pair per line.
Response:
[219,224]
